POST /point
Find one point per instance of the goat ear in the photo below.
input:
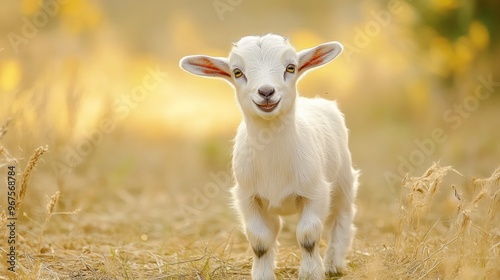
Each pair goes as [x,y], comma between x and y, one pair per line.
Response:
[206,66]
[318,56]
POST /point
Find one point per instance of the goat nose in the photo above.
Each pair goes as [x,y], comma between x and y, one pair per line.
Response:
[266,91]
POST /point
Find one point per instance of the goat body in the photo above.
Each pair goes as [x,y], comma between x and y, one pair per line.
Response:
[290,153]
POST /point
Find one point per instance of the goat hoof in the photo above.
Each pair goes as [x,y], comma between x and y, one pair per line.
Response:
[334,274]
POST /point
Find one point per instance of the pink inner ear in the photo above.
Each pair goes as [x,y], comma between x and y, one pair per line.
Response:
[316,58]
[209,68]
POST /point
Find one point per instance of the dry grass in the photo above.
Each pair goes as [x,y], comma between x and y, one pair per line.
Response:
[424,244]
[427,247]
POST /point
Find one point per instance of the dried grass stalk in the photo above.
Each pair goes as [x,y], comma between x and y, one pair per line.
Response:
[52,202]
[4,128]
[422,191]
[3,219]
[4,152]
[27,174]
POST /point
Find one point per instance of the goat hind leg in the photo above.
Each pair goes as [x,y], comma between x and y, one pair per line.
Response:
[340,235]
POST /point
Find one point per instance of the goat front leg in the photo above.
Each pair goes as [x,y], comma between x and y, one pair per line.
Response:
[308,233]
[262,230]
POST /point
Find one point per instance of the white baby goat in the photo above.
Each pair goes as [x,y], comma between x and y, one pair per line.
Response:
[290,154]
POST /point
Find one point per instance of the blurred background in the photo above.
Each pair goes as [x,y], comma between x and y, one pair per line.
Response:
[132,137]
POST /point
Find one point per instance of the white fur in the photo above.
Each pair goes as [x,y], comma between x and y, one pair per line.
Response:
[294,159]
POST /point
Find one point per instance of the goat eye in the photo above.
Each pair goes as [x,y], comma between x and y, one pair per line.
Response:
[237,73]
[290,68]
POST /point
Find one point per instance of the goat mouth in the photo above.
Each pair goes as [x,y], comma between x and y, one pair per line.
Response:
[267,107]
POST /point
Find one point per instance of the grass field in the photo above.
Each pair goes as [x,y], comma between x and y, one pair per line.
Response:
[122,160]
[120,224]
